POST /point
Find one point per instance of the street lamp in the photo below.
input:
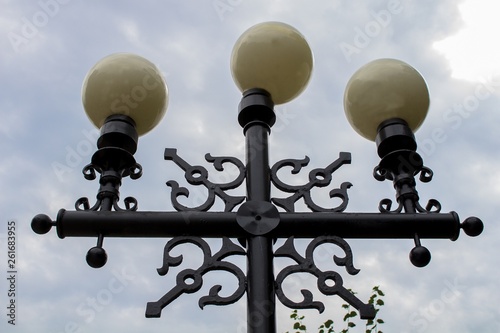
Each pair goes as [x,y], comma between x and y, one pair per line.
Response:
[385,101]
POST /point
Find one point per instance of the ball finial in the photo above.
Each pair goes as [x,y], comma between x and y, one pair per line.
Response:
[472,226]
[41,224]
[420,256]
[96,257]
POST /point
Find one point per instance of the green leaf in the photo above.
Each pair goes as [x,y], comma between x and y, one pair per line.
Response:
[328,326]
[351,314]
[378,291]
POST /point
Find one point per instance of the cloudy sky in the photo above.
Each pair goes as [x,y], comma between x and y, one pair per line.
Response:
[48,46]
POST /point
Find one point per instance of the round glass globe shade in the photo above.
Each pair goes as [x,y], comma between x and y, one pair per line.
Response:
[273,56]
[384,89]
[125,84]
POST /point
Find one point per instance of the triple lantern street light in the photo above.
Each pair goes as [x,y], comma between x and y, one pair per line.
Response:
[385,101]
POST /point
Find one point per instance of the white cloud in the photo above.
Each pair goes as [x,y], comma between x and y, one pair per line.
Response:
[473,52]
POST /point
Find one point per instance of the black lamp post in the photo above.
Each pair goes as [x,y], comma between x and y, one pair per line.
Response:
[385,101]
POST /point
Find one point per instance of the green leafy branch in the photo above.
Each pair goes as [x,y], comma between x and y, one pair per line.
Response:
[371,325]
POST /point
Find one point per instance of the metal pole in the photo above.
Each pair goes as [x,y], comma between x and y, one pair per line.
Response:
[261,316]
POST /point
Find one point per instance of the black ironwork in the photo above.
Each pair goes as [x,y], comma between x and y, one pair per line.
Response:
[257,223]
[113,160]
[190,281]
[317,178]
[307,265]
[198,175]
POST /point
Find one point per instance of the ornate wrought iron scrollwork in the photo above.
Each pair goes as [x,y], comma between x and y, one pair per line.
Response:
[317,178]
[325,278]
[400,163]
[404,183]
[191,280]
[401,166]
[108,194]
[198,175]
[110,182]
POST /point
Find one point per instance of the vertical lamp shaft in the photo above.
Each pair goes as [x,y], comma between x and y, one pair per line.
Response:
[260,290]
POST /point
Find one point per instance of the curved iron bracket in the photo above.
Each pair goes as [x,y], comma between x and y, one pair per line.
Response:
[325,278]
[317,178]
[110,182]
[405,186]
[190,280]
[198,175]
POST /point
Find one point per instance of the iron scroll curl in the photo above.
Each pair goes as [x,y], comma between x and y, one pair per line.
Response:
[191,280]
[198,175]
[324,278]
[319,177]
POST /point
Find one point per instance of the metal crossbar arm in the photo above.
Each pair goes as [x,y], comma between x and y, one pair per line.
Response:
[224,224]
